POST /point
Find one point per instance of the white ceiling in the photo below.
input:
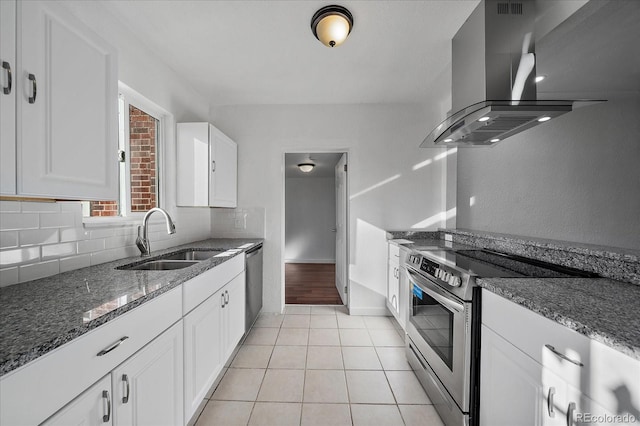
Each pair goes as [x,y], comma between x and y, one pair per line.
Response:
[263,52]
[325,164]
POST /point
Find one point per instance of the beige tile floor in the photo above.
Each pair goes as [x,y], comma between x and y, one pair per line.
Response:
[316,365]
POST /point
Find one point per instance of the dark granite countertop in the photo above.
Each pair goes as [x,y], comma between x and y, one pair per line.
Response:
[41,315]
[600,308]
[603,309]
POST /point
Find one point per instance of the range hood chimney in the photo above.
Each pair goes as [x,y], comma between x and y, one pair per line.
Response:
[493,78]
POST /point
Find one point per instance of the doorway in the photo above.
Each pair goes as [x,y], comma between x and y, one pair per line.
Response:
[315,228]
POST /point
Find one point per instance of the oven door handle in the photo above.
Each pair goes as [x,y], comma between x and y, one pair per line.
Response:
[434,291]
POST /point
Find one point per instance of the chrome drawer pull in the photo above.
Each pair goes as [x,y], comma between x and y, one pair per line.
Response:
[563,356]
[7,66]
[222,302]
[226,297]
[106,417]
[552,392]
[112,347]
[125,398]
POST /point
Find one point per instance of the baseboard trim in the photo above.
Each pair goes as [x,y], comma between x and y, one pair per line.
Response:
[372,311]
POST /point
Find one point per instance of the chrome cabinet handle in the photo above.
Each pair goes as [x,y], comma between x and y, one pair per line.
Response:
[563,356]
[222,303]
[570,409]
[34,88]
[552,392]
[7,66]
[125,398]
[394,301]
[226,297]
[213,166]
[105,396]
[112,347]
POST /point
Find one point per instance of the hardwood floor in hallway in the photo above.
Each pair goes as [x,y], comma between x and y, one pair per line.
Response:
[311,284]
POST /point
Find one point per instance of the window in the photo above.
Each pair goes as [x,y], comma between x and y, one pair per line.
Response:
[140,124]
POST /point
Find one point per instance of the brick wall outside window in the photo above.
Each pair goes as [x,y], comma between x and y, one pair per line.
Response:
[103,208]
[142,159]
[142,145]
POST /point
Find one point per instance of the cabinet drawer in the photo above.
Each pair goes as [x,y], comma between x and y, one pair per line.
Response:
[198,289]
[56,378]
[604,372]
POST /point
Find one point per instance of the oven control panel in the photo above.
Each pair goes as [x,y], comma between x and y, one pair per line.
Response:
[434,270]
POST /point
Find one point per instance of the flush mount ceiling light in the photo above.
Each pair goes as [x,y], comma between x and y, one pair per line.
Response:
[306,167]
[331,25]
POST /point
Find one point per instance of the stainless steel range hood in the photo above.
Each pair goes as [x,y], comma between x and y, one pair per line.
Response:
[493,78]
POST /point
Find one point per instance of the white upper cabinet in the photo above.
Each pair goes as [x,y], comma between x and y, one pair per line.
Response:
[8,97]
[66,106]
[207,166]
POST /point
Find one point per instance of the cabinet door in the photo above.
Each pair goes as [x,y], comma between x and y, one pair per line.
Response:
[234,314]
[511,384]
[193,168]
[67,124]
[148,387]
[92,407]
[224,179]
[393,287]
[203,342]
[8,97]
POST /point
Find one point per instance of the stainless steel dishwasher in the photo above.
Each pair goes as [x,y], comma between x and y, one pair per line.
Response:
[253,271]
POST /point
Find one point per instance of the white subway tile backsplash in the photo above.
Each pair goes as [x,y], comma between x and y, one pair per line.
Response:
[17,221]
[58,250]
[38,236]
[9,276]
[73,234]
[57,220]
[70,206]
[8,239]
[101,233]
[39,270]
[75,262]
[39,207]
[120,241]
[9,206]
[19,256]
[89,246]
[42,239]
[109,255]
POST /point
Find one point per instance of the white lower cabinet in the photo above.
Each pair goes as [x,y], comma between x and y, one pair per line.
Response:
[511,392]
[202,354]
[211,332]
[145,390]
[92,407]
[535,371]
[148,387]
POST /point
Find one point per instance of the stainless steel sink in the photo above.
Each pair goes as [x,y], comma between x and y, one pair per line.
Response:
[161,265]
[192,255]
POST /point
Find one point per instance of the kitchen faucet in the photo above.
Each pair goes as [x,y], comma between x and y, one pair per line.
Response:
[142,241]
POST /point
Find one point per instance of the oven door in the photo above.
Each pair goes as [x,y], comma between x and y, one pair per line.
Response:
[439,325]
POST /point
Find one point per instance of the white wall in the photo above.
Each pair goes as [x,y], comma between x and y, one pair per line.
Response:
[576,178]
[310,215]
[393,184]
[42,239]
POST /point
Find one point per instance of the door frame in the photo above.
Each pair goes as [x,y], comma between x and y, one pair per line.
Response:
[345,151]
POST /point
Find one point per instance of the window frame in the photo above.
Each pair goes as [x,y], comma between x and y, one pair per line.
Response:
[129,96]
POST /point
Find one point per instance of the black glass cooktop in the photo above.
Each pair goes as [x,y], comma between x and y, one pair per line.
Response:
[490,264]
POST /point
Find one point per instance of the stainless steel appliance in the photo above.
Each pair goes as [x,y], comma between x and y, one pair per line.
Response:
[443,327]
[253,271]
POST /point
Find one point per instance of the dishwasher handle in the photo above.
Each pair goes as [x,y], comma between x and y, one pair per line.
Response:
[253,251]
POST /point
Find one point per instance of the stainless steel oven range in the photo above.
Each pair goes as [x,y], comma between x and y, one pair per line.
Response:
[443,327]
